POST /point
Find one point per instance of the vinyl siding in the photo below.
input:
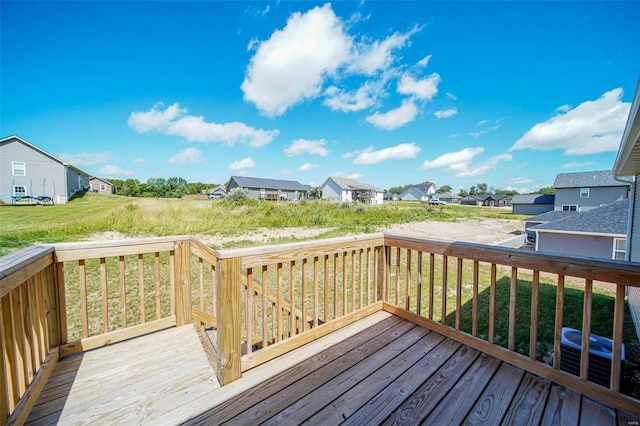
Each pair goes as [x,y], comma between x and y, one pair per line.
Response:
[597,196]
[532,208]
[633,293]
[578,245]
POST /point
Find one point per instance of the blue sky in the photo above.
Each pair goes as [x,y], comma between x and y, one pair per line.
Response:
[388,93]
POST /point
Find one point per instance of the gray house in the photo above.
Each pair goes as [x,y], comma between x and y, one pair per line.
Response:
[350,190]
[217,192]
[486,200]
[628,164]
[269,189]
[532,203]
[26,170]
[100,185]
[422,193]
[599,232]
[583,191]
[449,197]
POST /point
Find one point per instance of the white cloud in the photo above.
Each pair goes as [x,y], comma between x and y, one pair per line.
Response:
[590,128]
[86,158]
[189,155]
[519,181]
[139,160]
[402,151]
[292,64]
[363,98]
[575,164]
[304,146]
[342,174]
[307,166]
[348,155]
[110,170]
[446,113]
[394,118]
[242,165]
[486,126]
[459,162]
[563,108]
[451,96]
[520,166]
[174,121]
[424,89]
[378,55]
[424,61]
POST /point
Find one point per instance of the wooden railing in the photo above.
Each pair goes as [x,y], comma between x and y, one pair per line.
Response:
[265,301]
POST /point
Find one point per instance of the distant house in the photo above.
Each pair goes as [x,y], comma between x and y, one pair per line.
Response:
[100,185]
[540,219]
[26,170]
[486,200]
[532,203]
[628,164]
[449,197]
[217,192]
[350,190]
[583,191]
[599,232]
[422,193]
[269,189]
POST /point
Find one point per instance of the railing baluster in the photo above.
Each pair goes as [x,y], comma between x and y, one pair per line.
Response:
[513,292]
[83,298]
[361,270]
[368,277]
[9,352]
[18,336]
[432,267]
[172,282]
[265,323]
[279,302]
[474,312]
[533,331]
[586,329]
[335,285]
[419,285]
[315,291]
[459,294]
[248,314]
[445,271]
[123,294]
[397,298]
[492,305]
[23,301]
[407,282]
[293,319]
[618,324]
[32,315]
[557,336]
[326,288]
[344,283]
[304,296]
[157,283]
[201,282]
[5,384]
[353,280]
[58,330]
[141,288]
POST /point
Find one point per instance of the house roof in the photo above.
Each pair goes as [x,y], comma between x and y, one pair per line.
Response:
[101,180]
[421,189]
[448,195]
[285,185]
[484,197]
[345,183]
[628,159]
[219,188]
[41,151]
[533,199]
[587,179]
[549,216]
[611,219]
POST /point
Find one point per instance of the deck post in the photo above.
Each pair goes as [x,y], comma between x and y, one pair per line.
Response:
[183,283]
[228,276]
[382,278]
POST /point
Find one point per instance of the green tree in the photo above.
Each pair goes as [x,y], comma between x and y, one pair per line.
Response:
[546,190]
[443,189]
[481,188]
[462,192]
[396,190]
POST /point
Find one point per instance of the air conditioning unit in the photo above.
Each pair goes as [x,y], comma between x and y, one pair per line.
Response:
[600,356]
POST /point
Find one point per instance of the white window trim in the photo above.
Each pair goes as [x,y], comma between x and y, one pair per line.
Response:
[19,186]
[584,196]
[568,206]
[103,187]
[23,168]
[615,248]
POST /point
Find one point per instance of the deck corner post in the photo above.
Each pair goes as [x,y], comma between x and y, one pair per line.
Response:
[382,276]
[228,276]
[183,283]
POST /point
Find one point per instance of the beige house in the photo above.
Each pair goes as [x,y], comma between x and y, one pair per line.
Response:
[100,185]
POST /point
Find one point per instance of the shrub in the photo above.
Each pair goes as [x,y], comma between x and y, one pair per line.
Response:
[238,195]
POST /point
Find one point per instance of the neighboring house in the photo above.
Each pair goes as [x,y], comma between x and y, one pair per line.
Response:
[269,189]
[532,203]
[583,191]
[486,200]
[350,190]
[550,216]
[26,170]
[217,192]
[100,185]
[449,197]
[628,164]
[422,193]
[599,232]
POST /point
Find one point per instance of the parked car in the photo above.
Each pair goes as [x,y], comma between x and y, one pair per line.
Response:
[437,202]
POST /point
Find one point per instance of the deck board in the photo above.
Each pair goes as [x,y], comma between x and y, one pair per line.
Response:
[378,370]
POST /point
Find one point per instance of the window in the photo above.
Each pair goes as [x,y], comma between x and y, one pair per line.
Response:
[569,208]
[19,191]
[103,187]
[584,192]
[18,168]
[619,248]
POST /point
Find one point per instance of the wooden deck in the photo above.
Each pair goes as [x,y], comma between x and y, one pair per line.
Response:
[381,369]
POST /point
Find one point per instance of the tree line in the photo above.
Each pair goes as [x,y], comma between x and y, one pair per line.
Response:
[480,188]
[173,187]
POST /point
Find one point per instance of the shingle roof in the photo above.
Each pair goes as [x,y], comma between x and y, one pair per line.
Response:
[587,179]
[533,199]
[448,195]
[550,216]
[484,197]
[610,219]
[422,189]
[345,183]
[285,185]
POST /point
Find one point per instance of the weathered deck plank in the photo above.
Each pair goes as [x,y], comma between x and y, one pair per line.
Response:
[528,403]
[563,407]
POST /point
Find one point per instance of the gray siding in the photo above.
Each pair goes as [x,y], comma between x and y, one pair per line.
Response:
[633,293]
[531,208]
[597,196]
[331,191]
[75,182]
[44,175]
[579,245]
[255,193]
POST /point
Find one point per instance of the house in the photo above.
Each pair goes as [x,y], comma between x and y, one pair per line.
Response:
[422,193]
[26,170]
[540,219]
[217,192]
[350,190]
[486,200]
[599,232]
[269,189]
[449,197]
[582,191]
[628,164]
[532,203]
[100,185]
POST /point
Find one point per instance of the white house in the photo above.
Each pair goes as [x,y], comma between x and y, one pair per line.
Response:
[350,190]
[422,193]
[26,170]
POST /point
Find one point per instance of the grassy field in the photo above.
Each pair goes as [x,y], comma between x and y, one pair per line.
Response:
[21,226]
